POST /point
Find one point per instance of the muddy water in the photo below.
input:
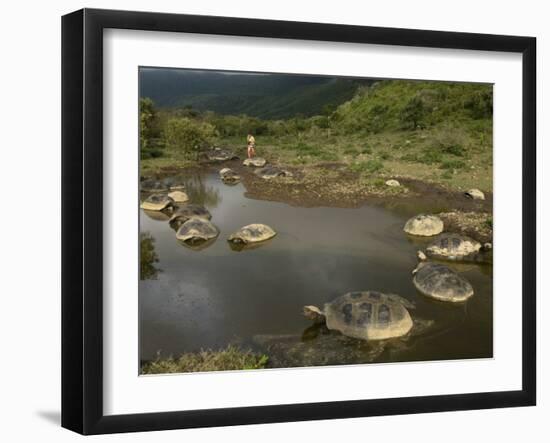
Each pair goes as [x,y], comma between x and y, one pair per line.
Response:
[215,296]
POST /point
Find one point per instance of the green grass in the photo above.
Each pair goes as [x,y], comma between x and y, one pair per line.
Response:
[229,359]
[452,164]
[369,166]
[367,135]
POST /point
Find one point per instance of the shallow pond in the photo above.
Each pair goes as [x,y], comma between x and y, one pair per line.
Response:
[216,296]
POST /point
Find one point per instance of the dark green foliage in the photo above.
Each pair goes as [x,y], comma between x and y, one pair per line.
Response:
[480,104]
[188,136]
[377,118]
[412,113]
[150,142]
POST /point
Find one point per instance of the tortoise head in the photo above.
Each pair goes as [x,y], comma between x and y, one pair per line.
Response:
[419,267]
[314,314]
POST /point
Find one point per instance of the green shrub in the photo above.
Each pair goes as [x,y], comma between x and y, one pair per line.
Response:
[188,136]
[430,156]
[150,143]
[412,113]
[480,104]
[385,155]
[377,118]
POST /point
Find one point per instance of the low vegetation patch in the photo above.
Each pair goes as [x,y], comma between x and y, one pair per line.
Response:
[231,358]
[369,166]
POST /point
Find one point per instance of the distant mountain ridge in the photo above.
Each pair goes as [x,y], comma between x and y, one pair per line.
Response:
[269,96]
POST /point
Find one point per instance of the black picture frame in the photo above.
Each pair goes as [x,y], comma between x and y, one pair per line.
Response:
[82,219]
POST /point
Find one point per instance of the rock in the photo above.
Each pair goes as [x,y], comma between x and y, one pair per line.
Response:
[393,183]
[488,246]
[475,194]
[424,225]
[258,162]
[178,196]
[421,256]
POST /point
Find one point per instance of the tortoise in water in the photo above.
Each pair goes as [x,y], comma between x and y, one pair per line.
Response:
[442,283]
[179,196]
[454,247]
[424,225]
[229,176]
[269,172]
[367,315]
[220,155]
[196,231]
[157,202]
[174,183]
[256,232]
[157,215]
[153,186]
[259,162]
[187,212]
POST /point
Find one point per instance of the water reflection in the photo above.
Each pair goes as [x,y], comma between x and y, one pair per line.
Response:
[198,245]
[199,190]
[209,297]
[157,215]
[239,246]
[147,257]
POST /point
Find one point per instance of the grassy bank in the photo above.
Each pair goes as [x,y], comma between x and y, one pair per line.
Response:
[228,359]
[430,131]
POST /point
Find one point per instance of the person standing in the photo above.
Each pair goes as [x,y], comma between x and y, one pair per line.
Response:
[251,145]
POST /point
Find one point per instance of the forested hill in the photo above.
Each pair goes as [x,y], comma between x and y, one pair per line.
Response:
[269,96]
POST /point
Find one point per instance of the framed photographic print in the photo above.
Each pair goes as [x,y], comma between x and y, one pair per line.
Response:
[269,221]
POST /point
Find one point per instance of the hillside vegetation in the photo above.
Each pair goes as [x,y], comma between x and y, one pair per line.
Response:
[432,131]
[267,96]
